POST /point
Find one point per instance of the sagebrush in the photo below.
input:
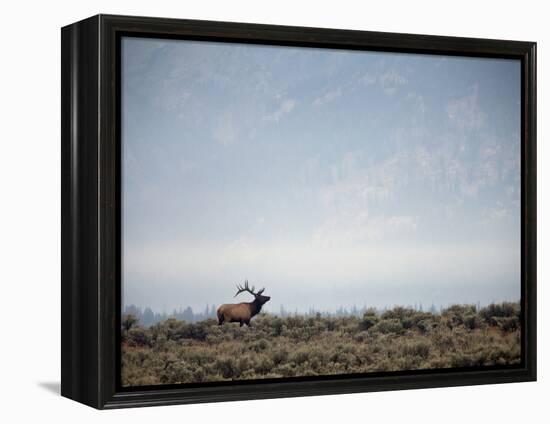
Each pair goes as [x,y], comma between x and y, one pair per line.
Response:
[174,351]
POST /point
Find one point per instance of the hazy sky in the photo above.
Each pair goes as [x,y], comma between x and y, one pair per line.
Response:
[330,177]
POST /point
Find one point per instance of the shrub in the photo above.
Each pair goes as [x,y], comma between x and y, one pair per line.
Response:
[459,310]
[425,325]
[264,365]
[300,356]
[472,321]
[398,313]
[361,336]
[387,326]
[128,321]
[277,326]
[458,314]
[420,348]
[199,331]
[177,372]
[286,370]
[279,356]
[370,312]
[368,321]
[331,324]
[259,346]
[505,309]
[226,367]
[138,336]
[507,324]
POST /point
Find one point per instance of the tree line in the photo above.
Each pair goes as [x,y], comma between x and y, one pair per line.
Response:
[147,317]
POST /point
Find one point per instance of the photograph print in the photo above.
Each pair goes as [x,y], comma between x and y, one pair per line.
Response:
[292,212]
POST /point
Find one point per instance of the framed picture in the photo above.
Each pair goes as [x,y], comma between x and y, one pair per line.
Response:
[256,211]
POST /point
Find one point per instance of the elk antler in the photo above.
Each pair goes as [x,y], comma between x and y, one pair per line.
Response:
[241,289]
[261,291]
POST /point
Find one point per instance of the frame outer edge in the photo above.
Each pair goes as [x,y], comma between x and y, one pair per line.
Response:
[89,243]
[67,71]
[80,306]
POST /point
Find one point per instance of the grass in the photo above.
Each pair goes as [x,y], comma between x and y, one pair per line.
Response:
[174,351]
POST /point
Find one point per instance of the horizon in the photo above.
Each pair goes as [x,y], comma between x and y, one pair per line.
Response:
[418,306]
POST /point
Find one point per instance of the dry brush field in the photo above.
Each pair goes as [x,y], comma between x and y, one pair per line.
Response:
[174,351]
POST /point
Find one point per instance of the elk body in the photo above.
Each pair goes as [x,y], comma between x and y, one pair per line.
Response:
[242,312]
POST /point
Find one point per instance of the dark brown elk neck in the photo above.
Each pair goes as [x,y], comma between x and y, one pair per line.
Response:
[255,307]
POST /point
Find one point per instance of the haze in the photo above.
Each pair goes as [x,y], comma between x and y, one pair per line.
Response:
[333,178]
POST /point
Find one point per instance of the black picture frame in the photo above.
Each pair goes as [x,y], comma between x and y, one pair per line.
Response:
[91,222]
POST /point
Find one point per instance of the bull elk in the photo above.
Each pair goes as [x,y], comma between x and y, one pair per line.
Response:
[242,312]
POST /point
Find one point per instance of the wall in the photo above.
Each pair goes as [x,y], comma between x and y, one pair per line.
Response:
[30,168]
